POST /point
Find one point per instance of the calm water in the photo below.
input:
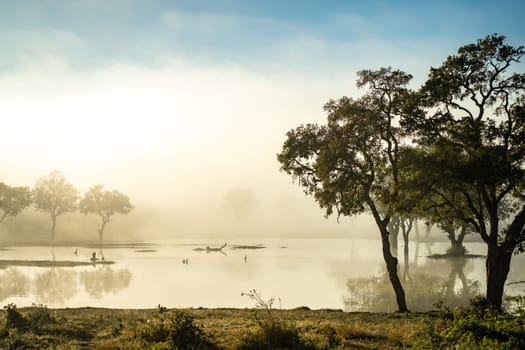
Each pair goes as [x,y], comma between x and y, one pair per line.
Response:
[319,273]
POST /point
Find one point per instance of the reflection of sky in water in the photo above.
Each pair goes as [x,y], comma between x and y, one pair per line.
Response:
[319,273]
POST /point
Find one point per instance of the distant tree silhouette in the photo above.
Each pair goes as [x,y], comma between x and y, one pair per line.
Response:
[239,200]
[13,200]
[52,193]
[104,204]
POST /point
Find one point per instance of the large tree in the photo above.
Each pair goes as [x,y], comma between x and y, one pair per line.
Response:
[104,204]
[13,200]
[352,164]
[474,155]
[54,194]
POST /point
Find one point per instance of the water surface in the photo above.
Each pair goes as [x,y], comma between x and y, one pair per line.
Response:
[344,274]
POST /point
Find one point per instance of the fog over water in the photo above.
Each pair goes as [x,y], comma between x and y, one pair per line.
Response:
[178,104]
[318,273]
[176,139]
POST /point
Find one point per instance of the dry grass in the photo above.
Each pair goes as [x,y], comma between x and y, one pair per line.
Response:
[94,328]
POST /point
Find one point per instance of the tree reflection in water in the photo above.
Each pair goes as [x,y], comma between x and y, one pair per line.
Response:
[438,281]
[104,280]
[13,283]
[55,287]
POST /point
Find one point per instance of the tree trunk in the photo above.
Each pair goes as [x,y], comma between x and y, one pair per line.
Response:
[391,266]
[416,227]
[53,225]
[406,274]
[101,230]
[456,244]
[393,233]
[498,266]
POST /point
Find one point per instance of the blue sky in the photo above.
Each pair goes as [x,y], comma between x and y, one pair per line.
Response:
[262,34]
[178,102]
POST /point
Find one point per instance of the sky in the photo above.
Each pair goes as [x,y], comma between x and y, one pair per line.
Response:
[179,104]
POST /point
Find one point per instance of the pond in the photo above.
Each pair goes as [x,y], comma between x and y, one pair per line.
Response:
[346,274]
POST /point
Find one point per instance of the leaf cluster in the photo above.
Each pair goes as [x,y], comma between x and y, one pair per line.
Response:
[353,161]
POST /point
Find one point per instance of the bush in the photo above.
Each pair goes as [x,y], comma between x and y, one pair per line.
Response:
[14,319]
[40,317]
[272,332]
[176,332]
[476,326]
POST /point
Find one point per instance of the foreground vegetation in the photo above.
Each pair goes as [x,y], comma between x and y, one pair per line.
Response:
[261,328]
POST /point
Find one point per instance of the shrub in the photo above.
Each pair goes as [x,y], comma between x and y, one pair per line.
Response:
[272,332]
[515,305]
[176,332]
[14,319]
[476,326]
[40,317]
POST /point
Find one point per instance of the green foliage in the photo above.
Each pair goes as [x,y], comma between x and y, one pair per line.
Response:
[470,158]
[34,321]
[176,331]
[40,317]
[353,161]
[476,326]
[13,200]
[272,332]
[516,305]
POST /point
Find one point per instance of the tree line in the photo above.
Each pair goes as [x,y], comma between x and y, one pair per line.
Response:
[53,194]
[450,152]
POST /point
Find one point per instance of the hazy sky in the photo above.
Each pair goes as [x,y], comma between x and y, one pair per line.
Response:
[176,103]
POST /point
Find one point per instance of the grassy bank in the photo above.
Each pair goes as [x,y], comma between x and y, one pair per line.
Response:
[259,328]
[224,328]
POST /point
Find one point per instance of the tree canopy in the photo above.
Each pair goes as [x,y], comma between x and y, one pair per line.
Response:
[104,204]
[352,163]
[54,194]
[451,152]
[13,200]
[474,155]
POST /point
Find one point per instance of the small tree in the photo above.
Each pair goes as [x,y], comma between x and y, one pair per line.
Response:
[52,193]
[104,204]
[13,200]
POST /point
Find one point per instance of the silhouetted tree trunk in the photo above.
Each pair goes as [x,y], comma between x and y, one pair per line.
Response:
[498,266]
[390,260]
[391,266]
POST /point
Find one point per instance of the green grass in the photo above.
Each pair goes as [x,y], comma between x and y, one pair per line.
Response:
[95,328]
[261,328]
